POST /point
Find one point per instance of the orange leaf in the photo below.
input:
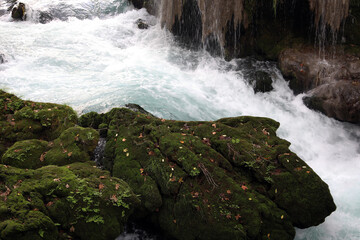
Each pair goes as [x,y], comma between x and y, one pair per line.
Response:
[174,220]
[72,229]
[213,133]
[151,153]
[49,204]
[237,217]
[117,186]
[214,125]
[163,120]
[69,154]
[102,177]
[114,198]
[228,191]
[182,142]
[124,139]
[244,187]
[42,157]
[101,186]
[141,135]
[17,150]
[141,170]
[228,216]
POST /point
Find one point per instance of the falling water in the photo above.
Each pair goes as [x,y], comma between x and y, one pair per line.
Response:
[96,59]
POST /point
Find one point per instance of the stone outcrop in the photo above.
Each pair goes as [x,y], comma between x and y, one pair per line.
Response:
[333,84]
[227,179]
[48,187]
[19,12]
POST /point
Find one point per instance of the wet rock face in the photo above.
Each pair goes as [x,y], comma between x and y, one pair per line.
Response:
[142,24]
[19,12]
[228,179]
[332,83]
[339,100]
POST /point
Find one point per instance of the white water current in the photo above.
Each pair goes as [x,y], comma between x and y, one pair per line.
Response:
[93,58]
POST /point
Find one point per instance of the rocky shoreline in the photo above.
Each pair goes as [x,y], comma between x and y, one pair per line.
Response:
[231,178]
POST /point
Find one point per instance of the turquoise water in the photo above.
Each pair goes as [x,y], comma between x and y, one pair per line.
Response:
[95,58]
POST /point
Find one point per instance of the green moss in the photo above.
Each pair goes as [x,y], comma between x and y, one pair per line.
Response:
[210,180]
[78,199]
[25,154]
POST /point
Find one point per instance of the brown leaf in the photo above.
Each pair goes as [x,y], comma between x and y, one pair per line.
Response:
[101,186]
[214,125]
[265,132]
[67,185]
[141,135]
[182,142]
[228,191]
[65,151]
[17,150]
[42,157]
[213,133]
[56,179]
[69,154]
[6,193]
[102,177]
[124,139]
[244,187]
[237,217]
[228,216]
[72,229]
[174,220]
[114,198]
[151,153]
[49,204]
[117,186]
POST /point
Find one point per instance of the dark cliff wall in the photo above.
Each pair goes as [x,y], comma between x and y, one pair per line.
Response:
[237,28]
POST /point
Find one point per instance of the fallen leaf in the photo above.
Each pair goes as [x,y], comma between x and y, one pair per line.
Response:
[151,153]
[114,198]
[72,229]
[101,186]
[42,157]
[244,187]
[6,193]
[228,191]
[125,150]
[69,154]
[181,180]
[117,186]
[56,179]
[141,135]
[174,220]
[228,216]
[182,142]
[49,204]
[237,217]
[163,120]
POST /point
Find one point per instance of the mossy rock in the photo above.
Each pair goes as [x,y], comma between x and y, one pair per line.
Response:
[23,120]
[76,144]
[228,179]
[76,201]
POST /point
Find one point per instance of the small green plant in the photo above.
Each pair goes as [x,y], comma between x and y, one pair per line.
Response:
[235,140]
[194,172]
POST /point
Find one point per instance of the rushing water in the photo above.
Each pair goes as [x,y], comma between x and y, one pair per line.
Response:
[93,57]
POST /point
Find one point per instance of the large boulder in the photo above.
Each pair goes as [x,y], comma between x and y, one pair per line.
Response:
[339,100]
[228,179]
[77,201]
[332,82]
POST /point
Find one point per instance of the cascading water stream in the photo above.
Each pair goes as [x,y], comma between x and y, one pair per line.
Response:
[102,61]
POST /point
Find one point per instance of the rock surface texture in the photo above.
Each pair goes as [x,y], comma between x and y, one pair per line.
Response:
[332,84]
[227,179]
